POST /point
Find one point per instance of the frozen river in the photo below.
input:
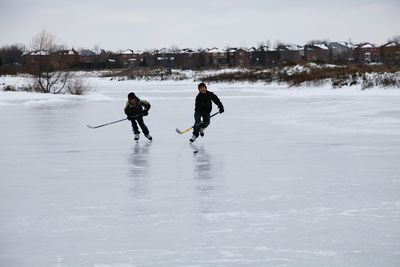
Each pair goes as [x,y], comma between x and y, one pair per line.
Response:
[285,177]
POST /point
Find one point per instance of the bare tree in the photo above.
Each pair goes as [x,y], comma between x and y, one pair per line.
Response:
[260,44]
[395,39]
[277,43]
[263,44]
[268,43]
[43,41]
[96,49]
[174,49]
[47,70]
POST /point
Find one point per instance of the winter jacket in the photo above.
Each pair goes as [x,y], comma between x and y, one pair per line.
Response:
[203,102]
[141,105]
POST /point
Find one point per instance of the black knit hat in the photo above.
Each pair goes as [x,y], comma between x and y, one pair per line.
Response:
[201,85]
[131,95]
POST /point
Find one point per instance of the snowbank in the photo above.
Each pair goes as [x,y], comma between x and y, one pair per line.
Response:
[34,99]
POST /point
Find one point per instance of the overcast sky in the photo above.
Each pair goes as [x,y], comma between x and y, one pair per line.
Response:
[147,24]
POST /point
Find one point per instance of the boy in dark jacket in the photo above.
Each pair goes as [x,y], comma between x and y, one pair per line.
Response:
[135,109]
[203,107]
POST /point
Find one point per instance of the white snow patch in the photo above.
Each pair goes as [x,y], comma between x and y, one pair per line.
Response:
[35,99]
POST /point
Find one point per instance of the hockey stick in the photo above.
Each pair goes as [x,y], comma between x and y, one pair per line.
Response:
[105,124]
[188,129]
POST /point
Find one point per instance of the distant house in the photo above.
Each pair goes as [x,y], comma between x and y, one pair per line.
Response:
[390,53]
[147,58]
[217,58]
[341,52]
[367,53]
[158,57]
[290,54]
[188,59]
[272,58]
[238,57]
[263,56]
[111,63]
[102,59]
[64,59]
[40,60]
[139,58]
[87,56]
[318,53]
[258,56]
[204,59]
[33,60]
[128,58]
[87,59]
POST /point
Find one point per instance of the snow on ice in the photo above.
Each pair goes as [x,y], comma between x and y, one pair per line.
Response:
[285,177]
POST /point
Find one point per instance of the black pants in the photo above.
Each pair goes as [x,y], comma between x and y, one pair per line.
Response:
[198,123]
[135,128]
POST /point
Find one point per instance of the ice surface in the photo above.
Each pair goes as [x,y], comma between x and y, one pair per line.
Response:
[285,177]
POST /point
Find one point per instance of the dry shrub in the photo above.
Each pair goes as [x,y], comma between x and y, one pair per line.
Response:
[77,86]
[240,76]
[316,76]
[9,88]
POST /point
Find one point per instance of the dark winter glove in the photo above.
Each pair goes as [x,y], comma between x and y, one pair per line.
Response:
[221,110]
[145,112]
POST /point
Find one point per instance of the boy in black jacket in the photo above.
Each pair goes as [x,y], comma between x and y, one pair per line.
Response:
[203,107]
[135,109]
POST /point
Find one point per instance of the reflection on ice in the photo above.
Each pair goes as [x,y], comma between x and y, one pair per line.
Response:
[207,177]
[139,167]
[140,156]
[203,168]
